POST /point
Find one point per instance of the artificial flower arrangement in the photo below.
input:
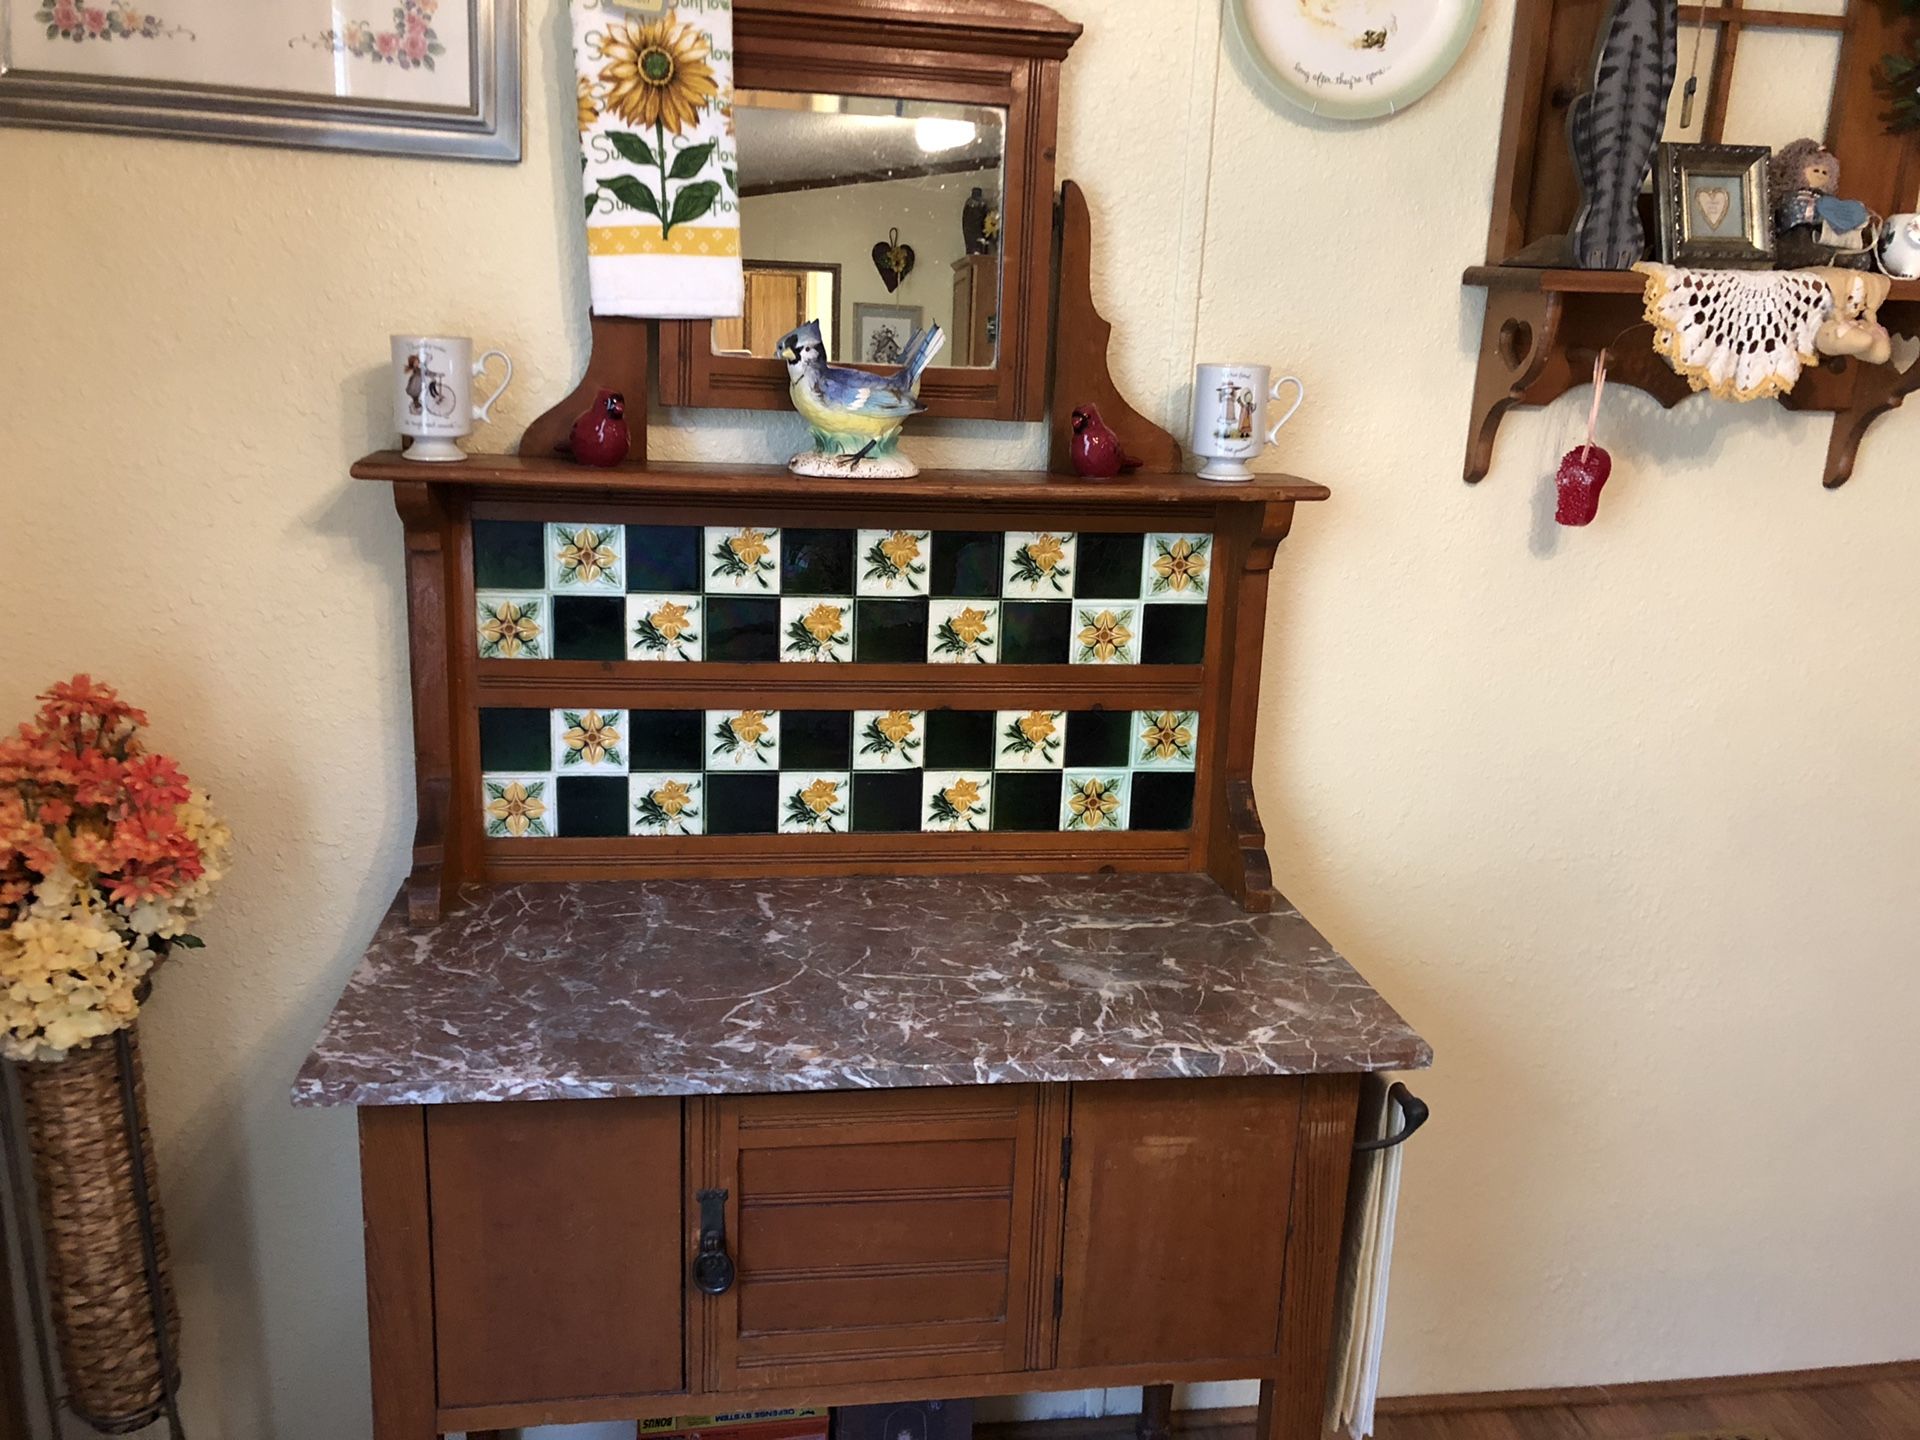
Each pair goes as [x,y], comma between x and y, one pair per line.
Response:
[107,858]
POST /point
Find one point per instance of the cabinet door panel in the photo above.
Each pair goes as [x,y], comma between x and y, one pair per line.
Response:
[877,1234]
[556,1249]
[1162,1174]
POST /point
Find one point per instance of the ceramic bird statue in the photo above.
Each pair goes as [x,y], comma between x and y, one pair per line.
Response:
[856,416]
[1095,450]
[600,434]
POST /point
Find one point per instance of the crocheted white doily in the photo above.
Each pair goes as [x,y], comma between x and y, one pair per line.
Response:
[1741,334]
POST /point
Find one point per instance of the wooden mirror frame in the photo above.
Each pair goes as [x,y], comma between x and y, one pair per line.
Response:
[1003,53]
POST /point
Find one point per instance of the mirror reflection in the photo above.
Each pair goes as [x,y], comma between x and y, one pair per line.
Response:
[876,217]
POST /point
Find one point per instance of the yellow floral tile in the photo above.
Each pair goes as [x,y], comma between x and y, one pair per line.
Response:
[1105,633]
[956,800]
[814,802]
[742,560]
[1165,739]
[667,803]
[1029,739]
[589,741]
[1177,568]
[512,626]
[517,807]
[663,627]
[743,739]
[892,562]
[816,628]
[1039,565]
[1094,800]
[961,632]
[586,557]
[887,739]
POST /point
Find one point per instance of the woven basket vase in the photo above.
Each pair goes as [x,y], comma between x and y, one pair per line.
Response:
[90,1222]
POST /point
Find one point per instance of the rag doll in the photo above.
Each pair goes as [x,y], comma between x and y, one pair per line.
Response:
[1812,225]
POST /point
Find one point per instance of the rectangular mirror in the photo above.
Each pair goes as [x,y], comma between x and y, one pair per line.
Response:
[839,194]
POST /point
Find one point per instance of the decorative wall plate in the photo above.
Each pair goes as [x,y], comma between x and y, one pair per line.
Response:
[1353,59]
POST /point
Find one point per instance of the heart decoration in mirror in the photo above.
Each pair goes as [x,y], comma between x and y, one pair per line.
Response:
[893,260]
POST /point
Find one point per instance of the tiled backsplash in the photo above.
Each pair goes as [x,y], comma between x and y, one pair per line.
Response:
[583,590]
[587,772]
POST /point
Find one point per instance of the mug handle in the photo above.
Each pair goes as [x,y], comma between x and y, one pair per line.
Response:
[1299,394]
[484,412]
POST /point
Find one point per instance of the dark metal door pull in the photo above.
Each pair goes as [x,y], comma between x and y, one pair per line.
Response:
[713,1266]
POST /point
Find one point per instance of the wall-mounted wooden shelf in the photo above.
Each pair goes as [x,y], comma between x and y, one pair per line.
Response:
[1544,327]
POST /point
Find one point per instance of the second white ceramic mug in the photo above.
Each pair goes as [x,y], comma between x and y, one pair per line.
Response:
[433,379]
[1230,426]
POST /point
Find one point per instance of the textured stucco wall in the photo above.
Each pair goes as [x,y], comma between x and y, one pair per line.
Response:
[1624,820]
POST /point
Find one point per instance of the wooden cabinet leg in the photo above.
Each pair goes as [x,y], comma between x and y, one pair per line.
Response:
[1279,1420]
[1293,1406]
[1156,1413]
[393,1190]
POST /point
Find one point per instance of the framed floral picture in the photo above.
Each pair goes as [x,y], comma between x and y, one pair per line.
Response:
[407,77]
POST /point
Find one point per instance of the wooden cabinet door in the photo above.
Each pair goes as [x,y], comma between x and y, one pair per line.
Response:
[557,1255]
[879,1234]
[1176,1225]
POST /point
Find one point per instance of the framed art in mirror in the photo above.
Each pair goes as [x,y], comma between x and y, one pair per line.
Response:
[425,77]
[902,141]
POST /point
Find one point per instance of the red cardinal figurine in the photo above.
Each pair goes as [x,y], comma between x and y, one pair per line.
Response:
[1095,450]
[600,434]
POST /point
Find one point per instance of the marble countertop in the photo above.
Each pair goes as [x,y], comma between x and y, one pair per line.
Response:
[693,987]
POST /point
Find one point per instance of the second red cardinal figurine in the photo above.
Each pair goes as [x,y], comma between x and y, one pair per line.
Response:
[600,434]
[1095,450]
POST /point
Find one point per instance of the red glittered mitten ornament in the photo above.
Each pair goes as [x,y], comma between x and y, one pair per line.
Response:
[1583,471]
[1585,468]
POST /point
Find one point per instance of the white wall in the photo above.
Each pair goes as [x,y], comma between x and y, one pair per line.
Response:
[1624,819]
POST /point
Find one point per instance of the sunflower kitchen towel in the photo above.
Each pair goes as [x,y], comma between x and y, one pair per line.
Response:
[656,140]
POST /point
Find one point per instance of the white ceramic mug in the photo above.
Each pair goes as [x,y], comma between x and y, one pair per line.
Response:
[1230,416]
[433,379]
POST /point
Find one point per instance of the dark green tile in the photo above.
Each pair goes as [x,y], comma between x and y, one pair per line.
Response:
[743,629]
[592,805]
[1109,567]
[886,800]
[666,739]
[1035,632]
[1175,635]
[515,740]
[959,740]
[1026,800]
[589,627]
[509,555]
[743,804]
[816,562]
[663,558]
[965,562]
[890,631]
[1161,801]
[1099,739]
[816,739]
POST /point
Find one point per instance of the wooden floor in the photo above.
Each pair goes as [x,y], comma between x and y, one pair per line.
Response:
[1875,1410]
[1877,1403]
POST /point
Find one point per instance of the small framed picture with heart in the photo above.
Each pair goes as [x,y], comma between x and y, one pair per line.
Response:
[1714,208]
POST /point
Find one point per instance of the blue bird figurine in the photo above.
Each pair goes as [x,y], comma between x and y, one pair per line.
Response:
[856,416]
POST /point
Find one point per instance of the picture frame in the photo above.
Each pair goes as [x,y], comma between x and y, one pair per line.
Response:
[882,333]
[1715,207]
[426,78]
